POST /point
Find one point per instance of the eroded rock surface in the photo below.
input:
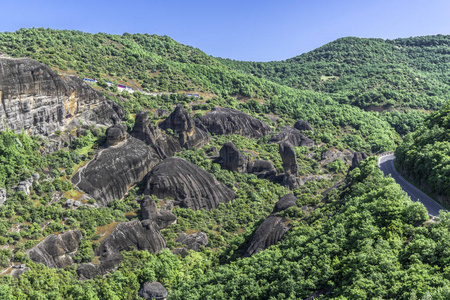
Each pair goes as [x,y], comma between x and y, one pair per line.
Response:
[273,228]
[287,153]
[113,170]
[225,121]
[333,154]
[153,290]
[39,101]
[181,123]
[187,184]
[193,241]
[138,235]
[116,134]
[303,125]
[56,251]
[358,157]
[293,136]
[164,144]
[162,217]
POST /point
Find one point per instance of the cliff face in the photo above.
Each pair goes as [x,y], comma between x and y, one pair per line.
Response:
[39,101]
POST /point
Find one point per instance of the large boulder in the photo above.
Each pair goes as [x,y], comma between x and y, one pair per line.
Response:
[56,251]
[332,154]
[187,184]
[161,217]
[303,125]
[164,144]
[193,241]
[116,134]
[226,121]
[153,290]
[293,136]
[39,101]
[262,169]
[113,170]
[287,153]
[232,159]
[272,228]
[138,235]
[358,157]
[181,123]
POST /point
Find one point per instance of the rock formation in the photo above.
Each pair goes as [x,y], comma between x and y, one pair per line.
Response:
[272,229]
[232,159]
[225,121]
[333,154]
[163,144]
[138,235]
[56,251]
[187,184]
[303,125]
[2,196]
[116,134]
[113,170]
[293,136]
[287,153]
[181,123]
[162,217]
[153,290]
[39,101]
[358,157]
[193,241]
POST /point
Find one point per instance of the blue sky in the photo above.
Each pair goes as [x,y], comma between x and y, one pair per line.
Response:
[243,30]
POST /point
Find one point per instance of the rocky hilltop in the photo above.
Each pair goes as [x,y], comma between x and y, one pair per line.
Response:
[39,101]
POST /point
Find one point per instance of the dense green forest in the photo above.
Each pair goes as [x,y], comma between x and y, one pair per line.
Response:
[368,73]
[364,239]
[424,155]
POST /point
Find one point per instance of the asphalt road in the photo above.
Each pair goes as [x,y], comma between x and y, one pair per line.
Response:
[386,164]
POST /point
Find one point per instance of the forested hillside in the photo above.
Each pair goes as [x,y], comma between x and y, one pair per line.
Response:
[424,155]
[265,186]
[368,73]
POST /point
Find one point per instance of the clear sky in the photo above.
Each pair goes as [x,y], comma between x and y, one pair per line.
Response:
[242,30]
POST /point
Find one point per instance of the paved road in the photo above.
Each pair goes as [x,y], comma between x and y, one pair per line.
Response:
[386,164]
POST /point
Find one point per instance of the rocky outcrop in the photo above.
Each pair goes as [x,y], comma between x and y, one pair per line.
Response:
[193,241]
[181,123]
[293,136]
[161,217]
[113,170]
[358,157]
[232,159]
[116,134]
[36,99]
[333,154]
[187,184]
[225,121]
[138,235]
[183,252]
[153,290]
[287,153]
[163,144]
[303,125]
[273,228]
[56,251]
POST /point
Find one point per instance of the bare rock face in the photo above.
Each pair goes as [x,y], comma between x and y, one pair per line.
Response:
[149,211]
[232,158]
[164,144]
[226,121]
[153,290]
[193,241]
[272,229]
[15,273]
[138,235]
[303,125]
[39,101]
[187,184]
[116,134]
[333,154]
[182,124]
[56,251]
[183,252]
[287,153]
[2,196]
[358,157]
[113,170]
[262,169]
[293,136]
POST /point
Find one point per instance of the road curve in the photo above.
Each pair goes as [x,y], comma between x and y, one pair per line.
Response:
[386,164]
